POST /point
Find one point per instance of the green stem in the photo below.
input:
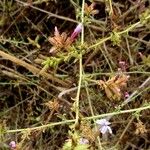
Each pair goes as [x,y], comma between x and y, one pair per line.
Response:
[86,118]
[80,68]
[92,113]
[111,9]
[120,33]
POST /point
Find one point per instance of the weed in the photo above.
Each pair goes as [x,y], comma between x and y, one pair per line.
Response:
[64,74]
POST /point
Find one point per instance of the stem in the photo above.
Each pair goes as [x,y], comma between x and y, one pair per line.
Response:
[92,113]
[30,67]
[86,118]
[120,33]
[111,9]
[80,68]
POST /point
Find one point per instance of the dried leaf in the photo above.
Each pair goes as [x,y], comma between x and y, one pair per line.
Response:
[89,10]
[53,105]
[59,41]
[114,85]
[140,128]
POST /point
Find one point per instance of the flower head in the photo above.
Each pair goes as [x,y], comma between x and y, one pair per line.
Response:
[12,145]
[104,126]
[62,40]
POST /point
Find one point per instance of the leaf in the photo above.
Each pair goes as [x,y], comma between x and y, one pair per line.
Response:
[59,41]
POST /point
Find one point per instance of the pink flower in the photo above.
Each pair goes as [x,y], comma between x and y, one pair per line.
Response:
[76,31]
[126,95]
[61,40]
[12,145]
[123,65]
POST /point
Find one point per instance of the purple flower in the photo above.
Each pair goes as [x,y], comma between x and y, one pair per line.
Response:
[83,141]
[12,145]
[76,31]
[104,126]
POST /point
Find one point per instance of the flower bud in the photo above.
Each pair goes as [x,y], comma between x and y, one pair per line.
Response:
[76,31]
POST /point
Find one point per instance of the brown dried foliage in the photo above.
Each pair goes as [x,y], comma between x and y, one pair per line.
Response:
[59,41]
[114,85]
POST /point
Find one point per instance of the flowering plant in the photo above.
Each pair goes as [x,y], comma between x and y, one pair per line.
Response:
[62,41]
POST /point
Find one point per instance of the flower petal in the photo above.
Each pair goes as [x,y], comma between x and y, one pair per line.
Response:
[109,129]
[103,129]
[107,123]
[101,121]
[76,31]
[56,33]
[78,28]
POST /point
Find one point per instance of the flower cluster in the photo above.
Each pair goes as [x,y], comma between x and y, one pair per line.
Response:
[62,41]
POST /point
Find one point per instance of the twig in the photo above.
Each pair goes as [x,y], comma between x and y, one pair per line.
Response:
[125,130]
[44,11]
[73,120]
[80,68]
[130,98]
[67,91]
[55,15]
[31,68]
[101,41]
[143,85]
